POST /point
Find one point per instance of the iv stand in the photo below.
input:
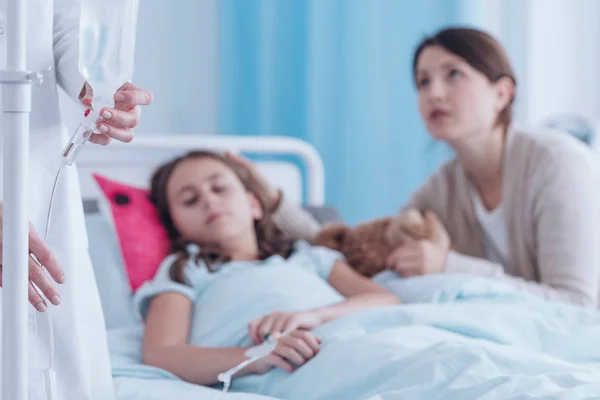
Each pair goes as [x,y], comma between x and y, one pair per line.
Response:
[16,105]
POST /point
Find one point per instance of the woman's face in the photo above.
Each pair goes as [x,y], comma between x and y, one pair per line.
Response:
[209,204]
[455,100]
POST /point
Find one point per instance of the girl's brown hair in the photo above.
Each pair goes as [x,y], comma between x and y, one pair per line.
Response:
[270,239]
[480,50]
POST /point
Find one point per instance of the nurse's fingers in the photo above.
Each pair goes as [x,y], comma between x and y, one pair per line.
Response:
[38,277]
[44,256]
[120,118]
[120,134]
[87,93]
[130,95]
[34,297]
[100,138]
[36,300]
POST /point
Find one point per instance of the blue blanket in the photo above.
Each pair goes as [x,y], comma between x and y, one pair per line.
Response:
[459,337]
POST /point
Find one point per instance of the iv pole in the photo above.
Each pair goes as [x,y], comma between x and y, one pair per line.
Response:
[16,106]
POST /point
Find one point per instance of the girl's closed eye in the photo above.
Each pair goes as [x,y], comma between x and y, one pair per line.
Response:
[190,200]
[455,74]
[219,188]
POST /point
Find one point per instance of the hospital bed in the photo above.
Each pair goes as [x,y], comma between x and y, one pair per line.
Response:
[456,337]
[301,183]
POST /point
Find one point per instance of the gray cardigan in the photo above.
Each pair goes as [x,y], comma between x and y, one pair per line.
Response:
[551,198]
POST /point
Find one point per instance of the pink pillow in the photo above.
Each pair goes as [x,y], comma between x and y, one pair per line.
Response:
[143,241]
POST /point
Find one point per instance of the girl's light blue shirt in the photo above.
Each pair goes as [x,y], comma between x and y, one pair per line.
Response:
[225,301]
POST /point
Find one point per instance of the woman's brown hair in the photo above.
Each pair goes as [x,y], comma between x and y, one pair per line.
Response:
[270,239]
[480,50]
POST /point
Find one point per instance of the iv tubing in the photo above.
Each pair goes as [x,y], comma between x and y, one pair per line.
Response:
[48,312]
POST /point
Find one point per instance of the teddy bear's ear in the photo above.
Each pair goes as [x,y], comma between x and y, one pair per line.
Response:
[332,236]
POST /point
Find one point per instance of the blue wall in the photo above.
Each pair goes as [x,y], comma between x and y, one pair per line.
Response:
[336,73]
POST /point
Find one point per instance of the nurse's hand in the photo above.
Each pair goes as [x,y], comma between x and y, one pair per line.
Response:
[119,121]
[273,194]
[37,276]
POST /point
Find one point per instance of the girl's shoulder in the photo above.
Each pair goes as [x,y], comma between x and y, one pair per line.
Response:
[193,267]
[304,248]
[317,259]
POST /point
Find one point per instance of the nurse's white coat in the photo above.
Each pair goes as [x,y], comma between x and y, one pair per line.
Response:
[81,355]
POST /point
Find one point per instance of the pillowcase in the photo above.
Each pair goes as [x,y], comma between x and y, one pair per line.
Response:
[143,241]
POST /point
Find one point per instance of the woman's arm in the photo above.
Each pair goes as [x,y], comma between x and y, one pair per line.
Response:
[166,343]
[559,290]
[295,222]
[422,258]
[566,218]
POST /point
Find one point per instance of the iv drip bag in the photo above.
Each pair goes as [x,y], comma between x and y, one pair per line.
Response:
[107,33]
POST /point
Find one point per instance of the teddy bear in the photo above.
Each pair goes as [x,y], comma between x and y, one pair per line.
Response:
[368,245]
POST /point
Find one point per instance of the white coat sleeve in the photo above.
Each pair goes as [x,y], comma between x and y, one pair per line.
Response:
[66,47]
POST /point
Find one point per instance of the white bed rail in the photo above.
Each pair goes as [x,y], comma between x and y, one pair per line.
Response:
[93,156]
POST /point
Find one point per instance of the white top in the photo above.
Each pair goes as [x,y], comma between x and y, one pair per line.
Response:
[493,225]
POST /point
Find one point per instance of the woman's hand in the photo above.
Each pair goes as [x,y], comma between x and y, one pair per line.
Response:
[293,349]
[280,322]
[420,257]
[274,194]
[37,276]
[119,121]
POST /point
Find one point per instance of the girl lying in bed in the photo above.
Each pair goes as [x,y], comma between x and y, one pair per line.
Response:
[232,277]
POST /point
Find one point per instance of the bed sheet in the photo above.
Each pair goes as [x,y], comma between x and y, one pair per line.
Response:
[162,389]
[463,338]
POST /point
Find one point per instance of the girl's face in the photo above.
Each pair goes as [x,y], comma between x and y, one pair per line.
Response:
[456,100]
[209,204]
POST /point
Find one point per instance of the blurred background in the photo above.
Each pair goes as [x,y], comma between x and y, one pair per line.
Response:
[337,73]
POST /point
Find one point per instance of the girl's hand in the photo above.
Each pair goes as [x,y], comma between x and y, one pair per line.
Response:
[118,122]
[280,322]
[273,194]
[293,349]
